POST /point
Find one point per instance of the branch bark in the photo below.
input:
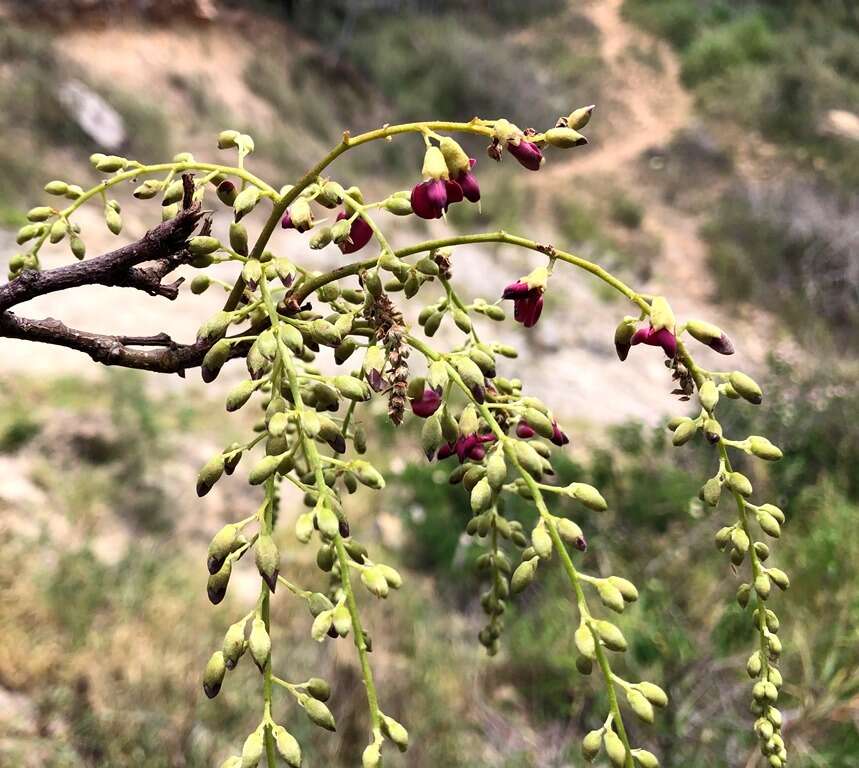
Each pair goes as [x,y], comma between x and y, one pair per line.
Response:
[162,249]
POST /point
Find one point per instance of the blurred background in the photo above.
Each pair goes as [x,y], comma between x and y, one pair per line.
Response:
[722,170]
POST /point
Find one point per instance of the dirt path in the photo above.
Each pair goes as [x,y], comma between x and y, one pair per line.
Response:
[646,100]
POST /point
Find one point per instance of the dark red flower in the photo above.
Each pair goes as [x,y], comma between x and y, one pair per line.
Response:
[653,338]
[525,430]
[527,302]
[527,153]
[427,404]
[286,221]
[559,437]
[430,199]
[359,234]
[468,182]
[466,447]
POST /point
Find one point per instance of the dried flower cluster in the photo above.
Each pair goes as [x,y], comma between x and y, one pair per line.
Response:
[279,314]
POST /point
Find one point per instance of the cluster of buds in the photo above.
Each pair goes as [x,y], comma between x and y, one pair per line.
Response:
[739,540]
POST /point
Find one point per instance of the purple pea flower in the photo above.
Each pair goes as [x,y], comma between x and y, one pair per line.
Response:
[527,302]
[431,199]
[527,153]
[359,234]
[427,404]
[656,338]
[468,182]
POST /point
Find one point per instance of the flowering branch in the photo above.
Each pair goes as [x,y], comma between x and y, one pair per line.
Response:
[283,313]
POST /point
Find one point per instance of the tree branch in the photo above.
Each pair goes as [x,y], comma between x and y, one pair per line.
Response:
[163,248]
[164,245]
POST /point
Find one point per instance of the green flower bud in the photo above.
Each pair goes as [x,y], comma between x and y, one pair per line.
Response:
[611,596]
[645,759]
[614,749]
[392,576]
[528,458]
[712,431]
[587,495]
[712,491]
[110,164]
[287,746]
[754,665]
[112,219]
[213,676]
[611,636]
[541,541]
[352,388]
[762,585]
[252,273]
[368,475]
[739,483]
[245,202]
[496,470]
[56,188]
[653,693]
[779,578]
[746,387]
[215,326]
[768,523]
[227,139]
[252,749]
[396,732]
[523,575]
[323,332]
[234,644]
[763,448]
[28,232]
[263,469]
[327,521]
[372,756]
[684,432]
[210,474]
[58,230]
[481,496]
[240,394]
[259,643]
[318,713]
[375,581]
[564,138]
[591,745]
[267,560]
[319,689]
[585,643]
[431,436]
[740,540]
[216,587]
[744,591]
[571,533]
[341,618]
[579,118]
[639,704]
[201,245]
[708,395]
[221,546]
[321,624]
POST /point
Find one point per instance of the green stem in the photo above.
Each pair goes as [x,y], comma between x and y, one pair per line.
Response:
[265,611]
[314,460]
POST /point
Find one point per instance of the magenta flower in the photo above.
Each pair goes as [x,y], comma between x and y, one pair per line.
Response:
[527,153]
[431,199]
[468,182]
[525,430]
[359,234]
[527,302]
[559,437]
[466,447]
[656,338]
[286,221]
[427,404]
